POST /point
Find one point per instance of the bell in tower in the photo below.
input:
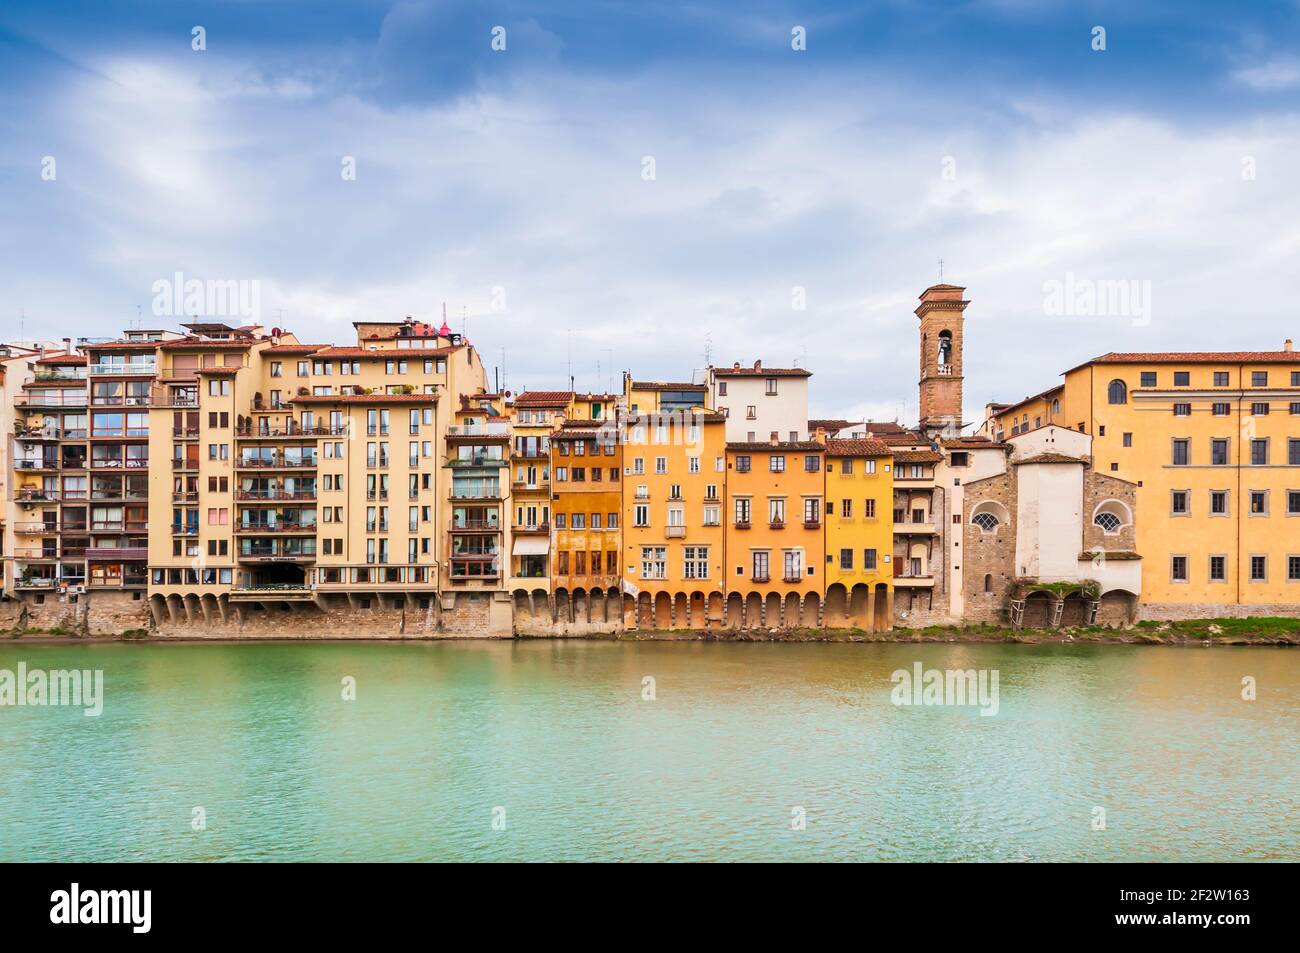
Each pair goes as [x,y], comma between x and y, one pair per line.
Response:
[941,313]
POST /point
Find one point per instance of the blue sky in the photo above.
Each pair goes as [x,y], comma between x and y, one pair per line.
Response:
[510,184]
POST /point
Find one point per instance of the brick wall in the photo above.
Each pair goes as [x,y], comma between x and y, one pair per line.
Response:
[989,554]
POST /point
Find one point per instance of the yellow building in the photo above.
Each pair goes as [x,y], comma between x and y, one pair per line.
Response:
[775,540]
[674,499]
[1213,441]
[859,533]
[586,494]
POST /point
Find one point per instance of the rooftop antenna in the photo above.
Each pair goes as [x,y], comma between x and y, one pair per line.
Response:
[940,271]
[570,357]
[708,348]
[464,323]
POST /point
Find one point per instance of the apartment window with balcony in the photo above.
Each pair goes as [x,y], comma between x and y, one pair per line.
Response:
[776,463]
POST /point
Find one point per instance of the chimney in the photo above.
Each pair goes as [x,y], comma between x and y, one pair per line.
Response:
[1287,345]
[67,345]
[772,438]
[820,435]
[736,366]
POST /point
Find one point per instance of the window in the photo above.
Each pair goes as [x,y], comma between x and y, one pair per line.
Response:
[776,511]
[1218,502]
[696,562]
[812,463]
[722,388]
[1259,408]
[1220,409]
[1219,451]
[1259,452]
[1258,568]
[742,464]
[1293,502]
[751,412]
[1182,378]
[712,515]
[1148,379]
[846,509]
[868,559]
[661,464]
[1178,568]
[776,463]
[762,568]
[640,515]
[1218,568]
[960,459]
[769,386]
[869,509]
[1295,408]
[1293,452]
[693,465]
[1182,410]
[1117,392]
[846,559]
[792,564]
[1220,378]
[1178,502]
[1181,452]
[1259,378]
[1128,439]
[1259,502]
[986,521]
[742,511]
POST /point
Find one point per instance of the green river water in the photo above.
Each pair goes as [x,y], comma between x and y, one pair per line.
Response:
[541,750]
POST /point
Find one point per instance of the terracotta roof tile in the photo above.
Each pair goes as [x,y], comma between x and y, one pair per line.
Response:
[1194,357]
[759,446]
[761,372]
[1049,458]
[364,399]
[857,448]
[917,456]
[544,398]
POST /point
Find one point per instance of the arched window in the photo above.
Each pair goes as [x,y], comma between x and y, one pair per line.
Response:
[945,348]
[1117,392]
[988,515]
[988,582]
[1112,516]
[1056,406]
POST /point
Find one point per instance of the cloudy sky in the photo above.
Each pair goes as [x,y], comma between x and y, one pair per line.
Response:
[514,186]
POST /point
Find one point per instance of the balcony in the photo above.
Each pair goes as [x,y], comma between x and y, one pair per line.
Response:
[760,578]
[475,526]
[776,524]
[487,431]
[34,528]
[276,463]
[36,466]
[149,368]
[36,434]
[74,398]
[674,532]
[477,461]
[261,496]
[531,528]
[117,553]
[183,463]
[914,528]
[812,524]
[185,433]
[120,526]
[291,432]
[741,524]
[266,529]
[188,496]
[792,578]
[116,463]
[913,579]
[187,529]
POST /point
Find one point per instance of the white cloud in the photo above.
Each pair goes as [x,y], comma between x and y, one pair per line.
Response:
[1281,72]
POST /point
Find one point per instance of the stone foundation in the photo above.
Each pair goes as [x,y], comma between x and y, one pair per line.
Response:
[1177,612]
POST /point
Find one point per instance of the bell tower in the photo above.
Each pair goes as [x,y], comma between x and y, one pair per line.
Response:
[941,312]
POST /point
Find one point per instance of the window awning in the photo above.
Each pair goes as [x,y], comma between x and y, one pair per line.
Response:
[532,546]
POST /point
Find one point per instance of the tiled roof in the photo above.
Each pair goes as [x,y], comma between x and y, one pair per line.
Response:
[917,456]
[124,346]
[971,443]
[390,354]
[857,448]
[544,398]
[758,446]
[65,360]
[216,370]
[294,348]
[1122,555]
[1194,357]
[1029,400]
[696,415]
[364,399]
[904,438]
[761,372]
[831,424]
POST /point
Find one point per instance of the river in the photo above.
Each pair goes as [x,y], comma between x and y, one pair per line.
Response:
[562,750]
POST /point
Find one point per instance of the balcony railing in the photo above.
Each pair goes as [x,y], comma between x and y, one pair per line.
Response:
[674,532]
[280,463]
[75,398]
[742,524]
[812,522]
[475,526]
[134,463]
[148,367]
[760,578]
[776,524]
[792,577]
[257,529]
[256,495]
[531,527]
[480,430]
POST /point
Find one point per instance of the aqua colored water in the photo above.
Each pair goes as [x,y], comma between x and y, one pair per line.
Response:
[739,739]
